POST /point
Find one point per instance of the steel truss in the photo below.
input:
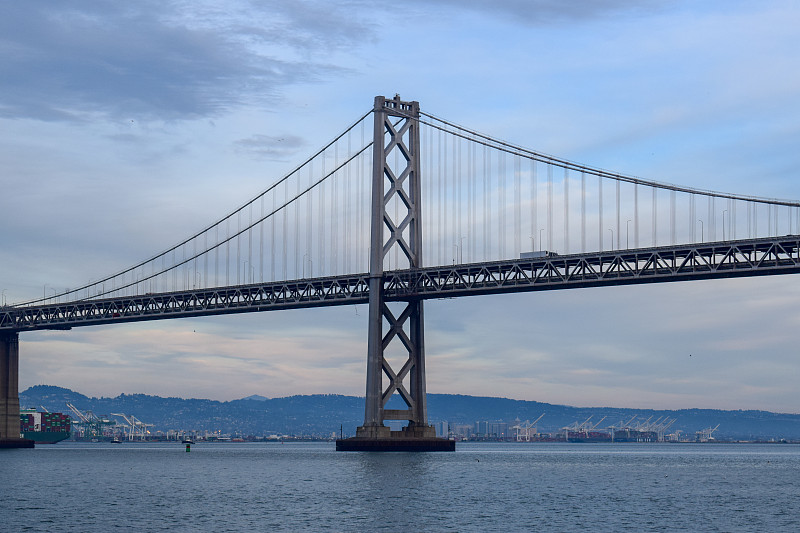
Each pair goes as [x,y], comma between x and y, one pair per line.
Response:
[743,258]
[727,259]
[318,292]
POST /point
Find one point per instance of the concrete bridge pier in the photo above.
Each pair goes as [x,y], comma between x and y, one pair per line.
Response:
[9,393]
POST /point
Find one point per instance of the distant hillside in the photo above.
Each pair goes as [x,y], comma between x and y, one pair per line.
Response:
[320,414]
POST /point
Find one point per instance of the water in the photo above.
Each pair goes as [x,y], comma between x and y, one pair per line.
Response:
[481,487]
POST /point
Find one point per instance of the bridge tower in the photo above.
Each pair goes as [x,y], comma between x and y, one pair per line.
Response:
[396,230]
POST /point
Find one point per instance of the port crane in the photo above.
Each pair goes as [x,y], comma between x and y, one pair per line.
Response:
[88,423]
[133,427]
[704,435]
[524,429]
[660,426]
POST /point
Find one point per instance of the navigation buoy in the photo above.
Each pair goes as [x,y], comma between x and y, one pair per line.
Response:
[188,447]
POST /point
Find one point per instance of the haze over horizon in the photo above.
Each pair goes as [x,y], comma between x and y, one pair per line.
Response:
[258,397]
[124,129]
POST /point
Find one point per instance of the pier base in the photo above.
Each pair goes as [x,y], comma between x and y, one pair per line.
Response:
[382,439]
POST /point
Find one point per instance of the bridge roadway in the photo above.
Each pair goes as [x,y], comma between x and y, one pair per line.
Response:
[726,259]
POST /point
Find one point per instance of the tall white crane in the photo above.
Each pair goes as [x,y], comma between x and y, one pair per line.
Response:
[133,426]
[524,429]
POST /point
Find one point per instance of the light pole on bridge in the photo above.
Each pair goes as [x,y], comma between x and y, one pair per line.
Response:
[723,223]
[459,255]
[627,234]
[612,239]
[701,229]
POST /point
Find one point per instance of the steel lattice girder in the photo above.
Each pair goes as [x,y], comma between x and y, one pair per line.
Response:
[318,292]
[755,257]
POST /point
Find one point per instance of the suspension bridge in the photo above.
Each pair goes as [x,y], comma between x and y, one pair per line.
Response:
[404,206]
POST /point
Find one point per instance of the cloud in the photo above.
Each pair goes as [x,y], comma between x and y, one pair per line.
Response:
[148,60]
[163,116]
[546,12]
[278,147]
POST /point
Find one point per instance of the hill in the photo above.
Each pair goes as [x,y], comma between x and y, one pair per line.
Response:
[323,414]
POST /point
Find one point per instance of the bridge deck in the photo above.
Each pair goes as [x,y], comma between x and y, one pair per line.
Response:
[752,257]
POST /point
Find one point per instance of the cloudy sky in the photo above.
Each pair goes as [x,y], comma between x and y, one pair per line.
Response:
[123,128]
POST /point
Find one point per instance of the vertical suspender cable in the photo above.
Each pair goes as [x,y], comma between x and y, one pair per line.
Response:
[618,218]
[485,208]
[489,204]
[534,206]
[445,214]
[635,215]
[655,216]
[775,212]
[474,228]
[285,237]
[335,212]
[501,227]
[672,217]
[459,192]
[309,225]
[261,243]
[362,230]
[440,181]
[273,220]
[350,227]
[755,220]
[249,245]
[566,211]
[550,207]
[749,207]
[322,221]
[517,208]
[712,215]
[583,212]
[470,200]
[789,216]
[238,247]
[600,213]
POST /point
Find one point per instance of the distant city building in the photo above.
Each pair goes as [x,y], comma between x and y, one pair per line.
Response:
[498,429]
[463,431]
[442,429]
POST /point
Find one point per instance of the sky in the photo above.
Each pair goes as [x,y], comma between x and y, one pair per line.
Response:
[124,128]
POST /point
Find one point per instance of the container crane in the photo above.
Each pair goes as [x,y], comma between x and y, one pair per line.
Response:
[133,426]
[524,429]
[89,424]
[705,434]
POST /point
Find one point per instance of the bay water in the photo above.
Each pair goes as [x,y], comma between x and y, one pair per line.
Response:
[232,487]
